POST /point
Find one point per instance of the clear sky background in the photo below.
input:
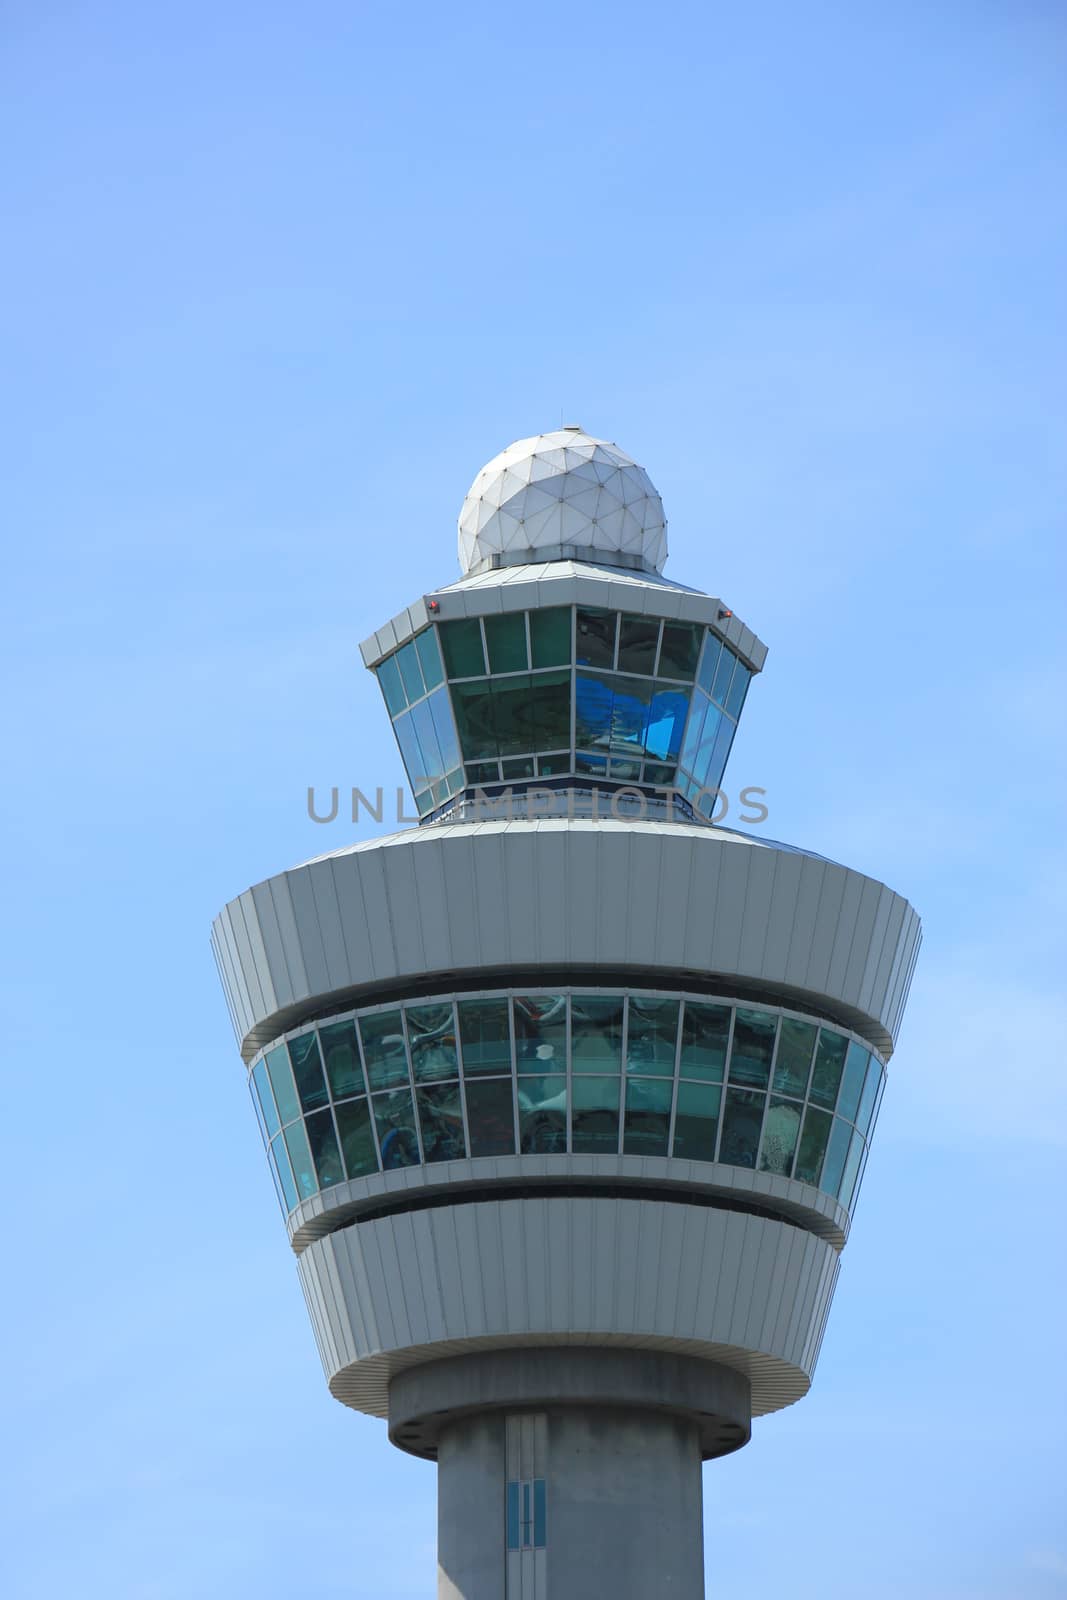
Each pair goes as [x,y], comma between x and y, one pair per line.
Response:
[276,281]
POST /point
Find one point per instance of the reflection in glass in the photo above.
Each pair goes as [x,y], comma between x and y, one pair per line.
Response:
[300,1156]
[441,1121]
[383,1049]
[696,1121]
[343,1066]
[596,1033]
[753,1046]
[550,637]
[853,1080]
[829,1064]
[283,1171]
[505,638]
[432,1040]
[485,1036]
[813,1137]
[307,1070]
[724,673]
[638,640]
[648,1117]
[595,1115]
[693,729]
[550,703]
[595,637]
[870,1092]
[666,723]
[357,1138]
[281,1081]
[513,715]
[836,1155]
[705,1031]
[490,1117]
[543,1114]
[796,1041]
[781,1130]
[741,1123]
[738,688]
[395,1121]
[429,658]
[410,672]
[847,1191]
[680,649]
[709,662]
[473,705]
[433,763]
[439,708]
[541,1032]
[391,686]
[462,644]
[652,1036]
[266,1099]
[324,1151]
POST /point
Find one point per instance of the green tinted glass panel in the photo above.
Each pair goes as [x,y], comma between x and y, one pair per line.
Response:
[441,1121]
[796,1042]
[595,637]
[829,1065]
[517,767]
[867,1099]
[357,1139]
[648,1116]
[432,1041]
[505,637]
[343,1066]
[550,698]
[705,1032]
[281,1081]
[483,772]
[283,1170]
[852,1083]
[429,658]
[407,659]
[652,1037]
[307,1070]
[813,1137]
[741,1124]
[836,1155]
[781,1130]
[543,1114]
[395,1120]
[485,1037]
[638,640]
[541,1032]
[383,1049]
[439,709]
[550,636]
[658,774]
[513,715]
[473,706]
[753,1047]
[696,1121]
[595,1115]
[680,650]
[391,686]
[300,1156]
[847,1191]
[266,1099]
[490,1117]
[552,766]
[462,645]
[324,1151]
[596,1033]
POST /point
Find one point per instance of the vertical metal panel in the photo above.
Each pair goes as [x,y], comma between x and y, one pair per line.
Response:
[328,914]
[804,920]
[307,932]
[281,895]
[755,913]
[729,909]
[844,931]
[821,949]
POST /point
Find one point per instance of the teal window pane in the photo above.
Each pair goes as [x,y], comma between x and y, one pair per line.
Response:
[552,766]
[281,1081]
[485,1037]
[296,1143]
[595,1115]
[266,1099]
[753,1047]
[357,1138]
[462,645]
[543,1114]
[422,720]
[595,637]
[724,673]
[550,698]
[513,715]
[491,1117]
[391,686]
[781,1130]
[539,1516]
[652,1037]
[514,1533]
[418,768]
[473,706]
[710,728]
[324,1151]
[407,659]
[696,1121]
[505,637]
[709,661]
[307,1070]
[796,1045]
[813,1137]
[395,1120]
[638,643]
[741,1124]
[856,1062]
[441,1121]
[693,729]
[829,1065]
[444,730]
[429,656]
[738,689]
[705,1032]
[517,767]
[596,1033]
[283,1171]
[847,1191]
[836,1155]
[550,636]
[384,1056]
[479,772]
[541,1032]
[721,752]
[432,1041]
[867,1099]
[666,723]
[680,649]
[343,1066]
[648,1116]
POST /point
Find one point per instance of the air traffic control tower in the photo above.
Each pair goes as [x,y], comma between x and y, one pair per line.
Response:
[567,1092]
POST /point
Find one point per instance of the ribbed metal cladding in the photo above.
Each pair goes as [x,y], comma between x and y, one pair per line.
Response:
[527,895]
[745,1291]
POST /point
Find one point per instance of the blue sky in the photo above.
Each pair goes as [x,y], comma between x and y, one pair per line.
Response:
[276,282]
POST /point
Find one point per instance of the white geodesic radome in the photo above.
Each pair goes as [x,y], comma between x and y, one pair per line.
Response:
[558,495]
